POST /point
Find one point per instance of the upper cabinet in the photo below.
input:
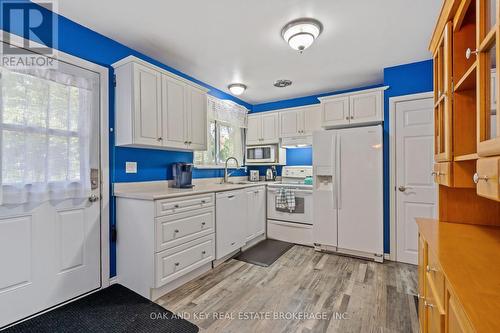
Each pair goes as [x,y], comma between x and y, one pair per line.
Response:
[157,109]
[360,107]
[488,58]
[301,121]
[443,97]
[263,128]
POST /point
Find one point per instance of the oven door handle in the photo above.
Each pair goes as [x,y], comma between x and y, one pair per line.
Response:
[274,190]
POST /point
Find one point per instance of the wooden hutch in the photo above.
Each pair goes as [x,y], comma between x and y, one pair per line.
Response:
[459,255]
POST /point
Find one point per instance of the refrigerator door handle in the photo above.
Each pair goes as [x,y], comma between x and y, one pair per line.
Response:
[338,184]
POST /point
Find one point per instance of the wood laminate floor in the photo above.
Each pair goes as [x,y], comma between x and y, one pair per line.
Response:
[303,291]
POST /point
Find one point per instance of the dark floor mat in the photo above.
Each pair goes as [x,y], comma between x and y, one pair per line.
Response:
[112,310]
[265,252]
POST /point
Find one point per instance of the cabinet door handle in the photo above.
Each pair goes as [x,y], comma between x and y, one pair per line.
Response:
[203,223]
[430,269]
[233,243]
[203,252]
[469,53]
[177,264]
[203,201]
[347,118]
[176,206]
[352,117]
[159,139]
[176,231]
[230,196]
[477,178]
[428,305]
[434,173]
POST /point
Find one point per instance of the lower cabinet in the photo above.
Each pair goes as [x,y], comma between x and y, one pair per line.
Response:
[240,217]
[256,212]
[438,308]
[162,243]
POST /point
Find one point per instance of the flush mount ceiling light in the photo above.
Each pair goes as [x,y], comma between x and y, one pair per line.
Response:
[282,83]
[301,33]
[237,88]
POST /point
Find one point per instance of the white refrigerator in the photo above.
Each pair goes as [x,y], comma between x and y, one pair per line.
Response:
[348,191]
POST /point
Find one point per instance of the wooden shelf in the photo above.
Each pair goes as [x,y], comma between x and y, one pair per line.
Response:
[440,99]
[468,80]
[468,157]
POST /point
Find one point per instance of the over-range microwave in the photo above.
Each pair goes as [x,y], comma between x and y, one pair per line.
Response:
[265,155]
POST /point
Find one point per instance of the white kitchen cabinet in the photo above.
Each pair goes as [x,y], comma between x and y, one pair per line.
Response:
[366,108]
[162,243]
[335,111]
[138,106]
[173,107]
[158,109]
[263,128]
[360,107]
[301,121]
[256,212]
[230,222]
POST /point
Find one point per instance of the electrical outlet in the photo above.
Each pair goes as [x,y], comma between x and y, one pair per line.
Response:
[130,167]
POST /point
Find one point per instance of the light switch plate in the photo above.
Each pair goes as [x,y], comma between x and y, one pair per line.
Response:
[130,167]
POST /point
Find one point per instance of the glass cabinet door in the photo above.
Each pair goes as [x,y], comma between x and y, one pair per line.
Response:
[488,122]
[442,97]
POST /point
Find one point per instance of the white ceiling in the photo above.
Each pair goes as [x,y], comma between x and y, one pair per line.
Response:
[224,41]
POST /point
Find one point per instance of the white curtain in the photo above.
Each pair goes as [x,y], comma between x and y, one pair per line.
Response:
[45,124]
[226,124]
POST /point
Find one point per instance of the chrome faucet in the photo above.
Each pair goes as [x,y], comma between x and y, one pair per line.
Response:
[226,174]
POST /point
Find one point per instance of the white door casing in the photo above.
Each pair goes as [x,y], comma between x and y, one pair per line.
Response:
[53,251]
[414,188]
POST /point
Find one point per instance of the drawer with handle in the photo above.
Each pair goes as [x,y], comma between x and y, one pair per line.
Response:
[442,173]
[173,230]
[183,204]
[178,261]
[435,275]
[435,316]
[486,177]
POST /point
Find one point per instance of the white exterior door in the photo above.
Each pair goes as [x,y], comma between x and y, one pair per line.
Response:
[49,209]
[174,113]
[415,188]
[147,121]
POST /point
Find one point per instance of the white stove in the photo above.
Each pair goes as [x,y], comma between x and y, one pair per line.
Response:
[291,226]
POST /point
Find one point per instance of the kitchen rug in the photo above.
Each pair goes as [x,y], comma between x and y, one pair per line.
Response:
[115,309]
[265,253]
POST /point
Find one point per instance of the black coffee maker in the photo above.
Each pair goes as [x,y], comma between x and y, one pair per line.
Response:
[183,175]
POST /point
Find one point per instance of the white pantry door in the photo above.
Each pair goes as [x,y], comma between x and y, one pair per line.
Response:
[49,208]
[415,188]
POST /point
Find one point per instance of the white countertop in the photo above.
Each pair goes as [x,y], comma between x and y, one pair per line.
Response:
[156,190]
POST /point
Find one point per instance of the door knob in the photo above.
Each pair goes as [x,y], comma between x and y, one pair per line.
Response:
[403,188]
[469,53]
[93,198]
[477,178]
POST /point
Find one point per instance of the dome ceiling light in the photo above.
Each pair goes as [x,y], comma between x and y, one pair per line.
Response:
[237,88]
[301,33]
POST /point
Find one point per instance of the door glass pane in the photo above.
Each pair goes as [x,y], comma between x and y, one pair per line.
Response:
[491,11]
[491,130]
